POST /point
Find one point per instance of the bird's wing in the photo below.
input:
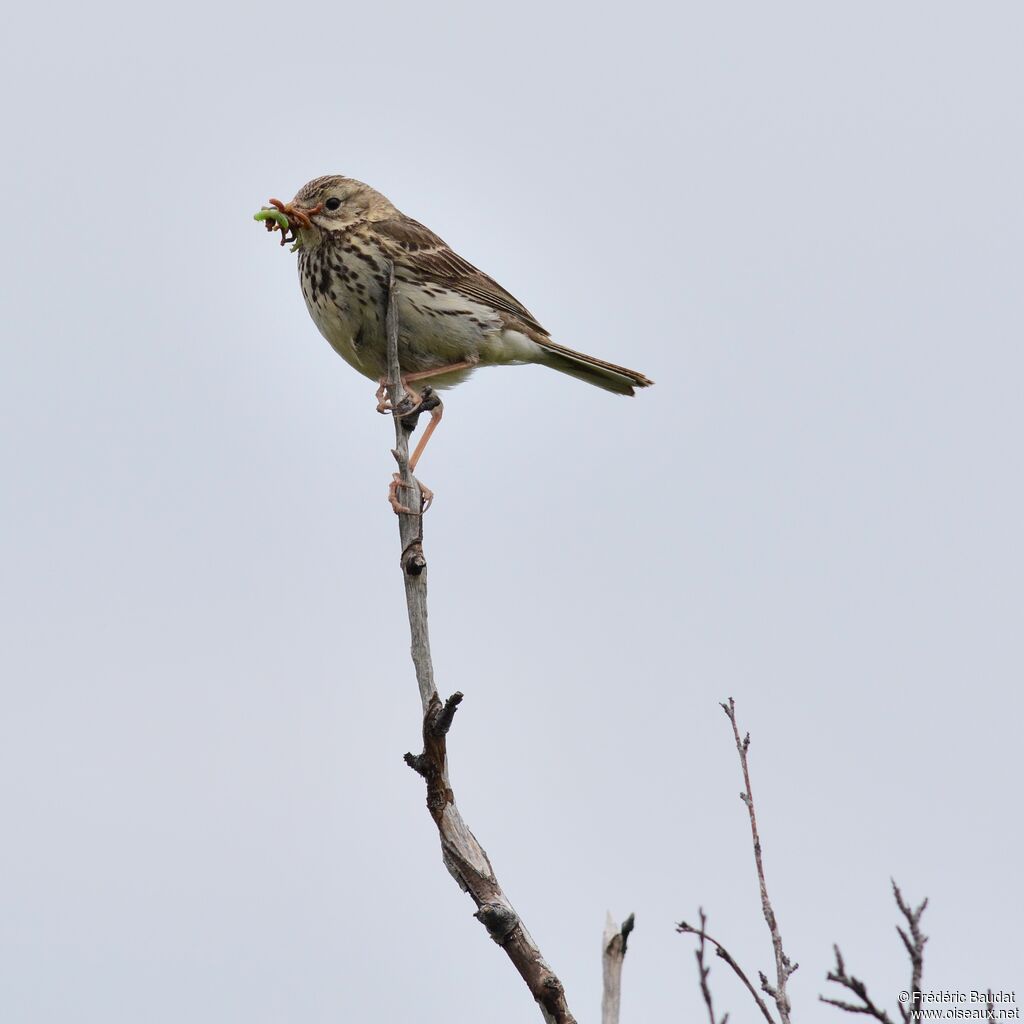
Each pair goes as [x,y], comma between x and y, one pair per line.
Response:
[416,248]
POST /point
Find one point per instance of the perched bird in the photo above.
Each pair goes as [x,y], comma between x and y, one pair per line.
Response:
[452,317]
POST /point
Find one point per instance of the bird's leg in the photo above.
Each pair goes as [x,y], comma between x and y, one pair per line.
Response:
[466,364]
[428,401]
[436,412]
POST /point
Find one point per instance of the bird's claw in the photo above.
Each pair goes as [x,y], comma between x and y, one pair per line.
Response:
[426,497]
[413,403]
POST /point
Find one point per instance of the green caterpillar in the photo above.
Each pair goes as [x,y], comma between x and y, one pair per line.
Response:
[280,220]
[275,215]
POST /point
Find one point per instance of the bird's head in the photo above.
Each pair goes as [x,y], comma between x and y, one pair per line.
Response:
[327,204]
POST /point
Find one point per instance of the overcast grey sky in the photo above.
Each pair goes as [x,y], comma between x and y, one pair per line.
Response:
[803,221]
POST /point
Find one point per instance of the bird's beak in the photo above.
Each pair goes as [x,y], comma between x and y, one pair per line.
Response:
[287,218]
[296,214]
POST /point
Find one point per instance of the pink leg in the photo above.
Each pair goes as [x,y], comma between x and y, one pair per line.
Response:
[435,418]
[384,405]
[438,370]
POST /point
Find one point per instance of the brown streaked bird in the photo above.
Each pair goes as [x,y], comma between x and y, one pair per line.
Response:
[452,317]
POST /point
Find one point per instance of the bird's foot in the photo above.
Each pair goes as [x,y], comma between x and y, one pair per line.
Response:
[426,497]
[417,405]
[413,403]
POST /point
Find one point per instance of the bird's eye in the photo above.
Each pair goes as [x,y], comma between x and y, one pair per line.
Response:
[333,203]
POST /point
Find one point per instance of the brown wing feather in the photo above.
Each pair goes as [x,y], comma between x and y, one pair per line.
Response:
[416,248]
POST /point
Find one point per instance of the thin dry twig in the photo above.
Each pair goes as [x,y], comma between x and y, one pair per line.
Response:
[783,966]
[858,988]
[914,945]
[724,954]
[613,945]
[463,855]
[704,971]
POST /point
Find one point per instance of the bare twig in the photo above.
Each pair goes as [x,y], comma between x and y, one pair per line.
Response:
[858,988]
[783,966]
[913,944]
[464,857]
[724,954]
[613,945]
[704,971]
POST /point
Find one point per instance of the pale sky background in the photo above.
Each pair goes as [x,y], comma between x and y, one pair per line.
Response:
[804,221]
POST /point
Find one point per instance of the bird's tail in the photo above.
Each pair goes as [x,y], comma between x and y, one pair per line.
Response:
[594,371]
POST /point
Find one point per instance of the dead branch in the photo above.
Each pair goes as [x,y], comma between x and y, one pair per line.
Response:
[464,857]
[704,971]
[858,988]
[783,966]
[613,945]
[913,944]
[724,954]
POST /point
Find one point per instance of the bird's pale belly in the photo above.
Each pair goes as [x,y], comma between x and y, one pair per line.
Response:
[437,327]
[360,344]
